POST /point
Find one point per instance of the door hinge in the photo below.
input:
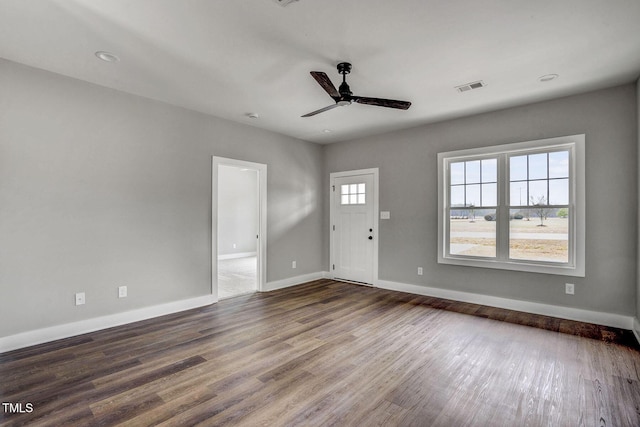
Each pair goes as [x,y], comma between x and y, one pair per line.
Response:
[334,228]
[334,187]
[334,266]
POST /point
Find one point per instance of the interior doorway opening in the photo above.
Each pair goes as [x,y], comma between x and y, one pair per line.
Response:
[237,230]
[238,213]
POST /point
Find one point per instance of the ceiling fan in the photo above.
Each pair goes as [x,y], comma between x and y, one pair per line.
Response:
[343,96]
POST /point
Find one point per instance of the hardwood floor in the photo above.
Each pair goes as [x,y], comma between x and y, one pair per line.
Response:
[330,353]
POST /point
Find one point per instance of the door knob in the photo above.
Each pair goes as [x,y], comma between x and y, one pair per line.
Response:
[370,237]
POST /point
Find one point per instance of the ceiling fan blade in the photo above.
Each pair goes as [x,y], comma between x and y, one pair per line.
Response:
[326,84]
[380,102]
[322,110]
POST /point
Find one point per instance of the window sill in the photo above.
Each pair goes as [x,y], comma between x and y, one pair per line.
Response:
[529,267]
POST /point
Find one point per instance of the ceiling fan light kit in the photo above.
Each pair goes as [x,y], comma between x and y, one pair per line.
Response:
[343,95]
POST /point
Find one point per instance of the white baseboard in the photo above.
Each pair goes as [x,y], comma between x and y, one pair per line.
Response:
[599,318]
[292,281]
[39,336]
[236,255]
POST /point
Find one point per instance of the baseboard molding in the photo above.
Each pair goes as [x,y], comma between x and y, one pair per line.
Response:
[599,318]
[236,255]
[636,328]
[292,281]
[39,336]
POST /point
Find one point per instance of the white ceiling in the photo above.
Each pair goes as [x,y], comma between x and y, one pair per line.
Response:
[231,58]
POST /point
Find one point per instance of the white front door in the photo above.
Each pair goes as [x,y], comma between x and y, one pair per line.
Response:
[353,228]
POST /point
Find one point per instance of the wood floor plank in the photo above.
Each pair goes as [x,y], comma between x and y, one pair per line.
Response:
[331,353]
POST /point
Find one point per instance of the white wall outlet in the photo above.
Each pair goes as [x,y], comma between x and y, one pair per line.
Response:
[419,271]
[80,299]
[293,264]
[122,291]
[385,215]
[234,246]
[569,288]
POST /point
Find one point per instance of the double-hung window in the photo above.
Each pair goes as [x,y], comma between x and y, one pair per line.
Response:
[515,206]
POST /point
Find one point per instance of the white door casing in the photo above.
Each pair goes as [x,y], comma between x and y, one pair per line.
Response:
[354,226]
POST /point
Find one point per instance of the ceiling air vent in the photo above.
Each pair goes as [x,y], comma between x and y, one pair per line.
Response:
[470,86]
[284,3]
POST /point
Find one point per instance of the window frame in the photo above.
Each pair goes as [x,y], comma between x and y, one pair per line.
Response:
[575,266]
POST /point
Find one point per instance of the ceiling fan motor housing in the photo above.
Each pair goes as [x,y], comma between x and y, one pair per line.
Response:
[344,68]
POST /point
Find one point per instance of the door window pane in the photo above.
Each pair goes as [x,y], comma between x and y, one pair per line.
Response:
[353,194]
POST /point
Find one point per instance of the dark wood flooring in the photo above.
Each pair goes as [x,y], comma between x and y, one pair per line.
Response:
[329,353]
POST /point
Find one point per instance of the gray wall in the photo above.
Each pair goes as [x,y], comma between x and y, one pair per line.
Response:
[408,189]
[638,261]
[100,189]
[237,210]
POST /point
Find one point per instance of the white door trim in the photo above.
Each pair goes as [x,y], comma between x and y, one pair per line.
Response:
[262,219]
[376,216]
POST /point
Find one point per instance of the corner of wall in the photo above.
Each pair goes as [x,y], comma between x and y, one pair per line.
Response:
[636,326]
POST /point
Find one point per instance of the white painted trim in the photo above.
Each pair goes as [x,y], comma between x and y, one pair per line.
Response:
[576,266]
[636,328]
[599,318]
[39,336]
[376,214]
[237,255]
[296,280]
[262,219]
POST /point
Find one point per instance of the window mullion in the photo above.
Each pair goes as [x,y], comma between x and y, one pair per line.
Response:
[502,211]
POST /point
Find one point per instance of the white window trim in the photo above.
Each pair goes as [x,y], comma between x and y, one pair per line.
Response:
[577,225]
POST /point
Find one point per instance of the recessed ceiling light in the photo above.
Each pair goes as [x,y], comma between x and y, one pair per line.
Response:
[547,77]
[107,56]
[326,130]
[253,115]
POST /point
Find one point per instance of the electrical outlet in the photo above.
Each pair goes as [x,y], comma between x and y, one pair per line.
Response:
[122,291]
[419,271]
[569,288]
[234,246]
[293,264]
[80,299]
